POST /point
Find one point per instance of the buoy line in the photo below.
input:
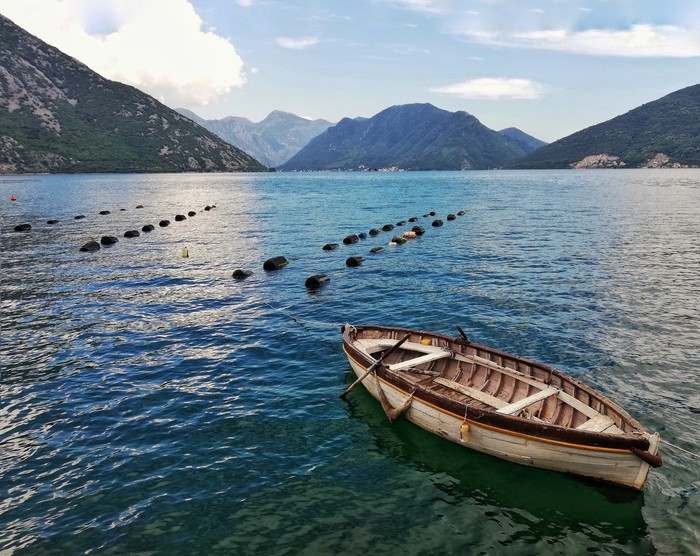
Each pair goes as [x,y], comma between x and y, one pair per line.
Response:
[318,280]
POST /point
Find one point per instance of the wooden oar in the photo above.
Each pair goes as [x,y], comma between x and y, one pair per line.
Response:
[461,333]
[375,365]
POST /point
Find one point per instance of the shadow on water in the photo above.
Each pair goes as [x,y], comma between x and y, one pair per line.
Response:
[553,500]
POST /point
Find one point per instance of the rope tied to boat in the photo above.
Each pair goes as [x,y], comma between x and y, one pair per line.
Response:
[687,452]
[301,322]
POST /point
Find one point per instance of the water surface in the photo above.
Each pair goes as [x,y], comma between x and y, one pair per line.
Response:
[151,403]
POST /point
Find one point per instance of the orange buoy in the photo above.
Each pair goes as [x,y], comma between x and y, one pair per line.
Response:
[13,198]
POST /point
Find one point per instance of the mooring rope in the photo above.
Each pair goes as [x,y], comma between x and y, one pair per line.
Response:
[301,321]
[692,454]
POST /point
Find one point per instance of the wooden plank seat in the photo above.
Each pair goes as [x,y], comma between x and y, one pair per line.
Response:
[373,346]
[513,408]
[473,393]
[402,365]
[599,423]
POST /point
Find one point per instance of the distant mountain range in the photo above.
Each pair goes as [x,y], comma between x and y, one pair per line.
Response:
[412,137]
[664,132]
[57,115]
[272,141]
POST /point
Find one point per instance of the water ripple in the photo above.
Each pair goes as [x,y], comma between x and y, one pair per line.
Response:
[151,403]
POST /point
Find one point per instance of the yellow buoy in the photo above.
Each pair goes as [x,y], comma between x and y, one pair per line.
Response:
[426,341]
[185,253]
[464,432]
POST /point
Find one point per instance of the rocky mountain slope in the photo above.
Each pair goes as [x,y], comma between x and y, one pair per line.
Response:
[57,115]
[408,137]
[661,133]
[272,141]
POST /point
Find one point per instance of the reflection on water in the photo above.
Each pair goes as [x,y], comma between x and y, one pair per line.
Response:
[150,402]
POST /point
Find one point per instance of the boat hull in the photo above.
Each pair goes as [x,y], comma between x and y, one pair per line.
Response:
[613,465]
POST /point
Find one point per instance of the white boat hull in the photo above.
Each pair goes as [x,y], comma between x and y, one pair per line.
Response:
[606,464]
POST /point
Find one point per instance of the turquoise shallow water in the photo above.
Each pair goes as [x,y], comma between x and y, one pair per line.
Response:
[149,403]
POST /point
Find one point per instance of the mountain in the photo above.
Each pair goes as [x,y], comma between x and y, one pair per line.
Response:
[664,132]
[272,141]
[57,115]
[409,137]
[527,142]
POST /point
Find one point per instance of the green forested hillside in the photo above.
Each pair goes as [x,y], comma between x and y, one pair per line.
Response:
[669,125]
[57,115]
[408,137]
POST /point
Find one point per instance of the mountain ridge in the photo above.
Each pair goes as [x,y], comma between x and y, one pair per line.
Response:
[659,133]
[272,141]
[57,115]
[416,136]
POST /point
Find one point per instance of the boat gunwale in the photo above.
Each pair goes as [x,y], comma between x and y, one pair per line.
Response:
[504,422]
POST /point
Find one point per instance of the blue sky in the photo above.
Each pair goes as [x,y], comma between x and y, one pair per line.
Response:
[548,67]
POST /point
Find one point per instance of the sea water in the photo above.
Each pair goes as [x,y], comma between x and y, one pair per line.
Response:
[150,403]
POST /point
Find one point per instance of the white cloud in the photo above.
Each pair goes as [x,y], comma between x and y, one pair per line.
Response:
[244,3]
[493,88]
[426,6]
[639,41]
[158,46]
[297,43]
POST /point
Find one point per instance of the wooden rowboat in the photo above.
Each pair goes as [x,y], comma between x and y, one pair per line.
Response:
[500,404]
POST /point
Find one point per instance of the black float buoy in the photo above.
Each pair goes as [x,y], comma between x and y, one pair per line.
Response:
[139,206]
[23,227]
[180,217]
[362,235]
[351,239]
[52,221]
[90,247]
[275,263]
[207,207]
[437,223]
[413,219]
[420,230]
[132,233]
[451,217]
[374,232]
[330,246]
[388,227]
[240,273]
[461,213]
[376,249]
[191,213]
[122,210]
[398,240]
[79,217]
[108,240]
[103,212]
[164,223]
[148,228]
[353,261]
[432,213]
[316,281]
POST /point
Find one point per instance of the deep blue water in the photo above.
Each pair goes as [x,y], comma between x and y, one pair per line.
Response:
[150,403]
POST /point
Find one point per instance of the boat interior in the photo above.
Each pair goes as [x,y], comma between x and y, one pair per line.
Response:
[493,381]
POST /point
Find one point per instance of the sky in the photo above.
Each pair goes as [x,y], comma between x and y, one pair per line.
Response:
[547,67]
